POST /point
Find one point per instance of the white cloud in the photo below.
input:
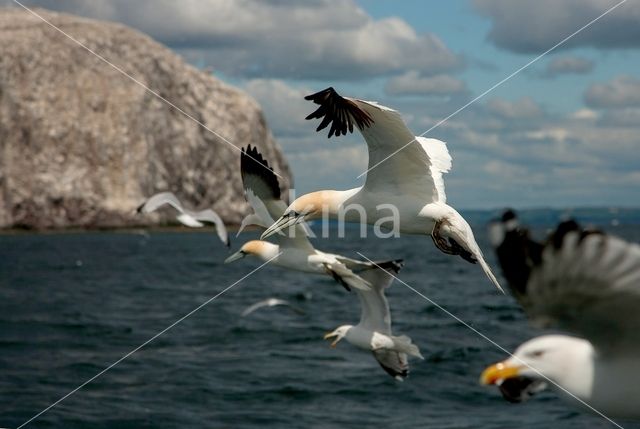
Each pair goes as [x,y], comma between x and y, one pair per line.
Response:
[584,114]
[320,39]
[535,26]
[622,91]
[284,105]
[523,108]
[567,65]
[412,83]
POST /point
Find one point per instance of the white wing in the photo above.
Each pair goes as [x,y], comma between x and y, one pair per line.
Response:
[399,162]
[186,217]
[270,302]
[188,220]
[210,216]
[375,314]
[158,200]
[263,194]
[589,285]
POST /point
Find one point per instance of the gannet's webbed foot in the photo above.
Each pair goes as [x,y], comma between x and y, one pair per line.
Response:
[440,241]
[464,253]
[451,247]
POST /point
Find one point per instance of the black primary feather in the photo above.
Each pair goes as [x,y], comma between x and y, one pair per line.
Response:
[252,163]
[338,111]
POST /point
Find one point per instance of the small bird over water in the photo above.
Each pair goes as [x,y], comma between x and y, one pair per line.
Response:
[373,332]
[186,217]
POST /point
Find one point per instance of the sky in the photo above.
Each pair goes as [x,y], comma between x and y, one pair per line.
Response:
[563,132]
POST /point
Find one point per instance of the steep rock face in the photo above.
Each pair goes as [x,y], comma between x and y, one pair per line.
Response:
[81,145]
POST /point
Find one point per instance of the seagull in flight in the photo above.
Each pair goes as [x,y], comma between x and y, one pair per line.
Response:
[192,219]
[373,333]
[587,284]
[405,171]
[292,252]
[271,302]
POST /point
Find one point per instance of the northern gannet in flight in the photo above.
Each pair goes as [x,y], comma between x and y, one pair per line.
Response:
[186,217]
[295,253]
[271,302]
[408,178]
[373,332]
[587,284]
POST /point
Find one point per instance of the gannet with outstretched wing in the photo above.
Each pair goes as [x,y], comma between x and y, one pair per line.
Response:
[585,283]
[186,217]
[293,252]
[405,171]
[373,332]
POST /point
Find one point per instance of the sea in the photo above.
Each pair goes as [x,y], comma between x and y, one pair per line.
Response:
[143,329]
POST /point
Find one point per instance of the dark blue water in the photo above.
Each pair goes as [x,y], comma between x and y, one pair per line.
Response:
[72,304]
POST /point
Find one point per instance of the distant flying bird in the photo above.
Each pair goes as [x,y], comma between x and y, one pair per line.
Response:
[585,283]
[373,332]
[408,178]
[295,253]
[271,302]
[186,217]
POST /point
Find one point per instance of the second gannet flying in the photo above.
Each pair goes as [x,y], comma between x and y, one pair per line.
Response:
[405,172]
[186,217]
[373,332]
[295,253]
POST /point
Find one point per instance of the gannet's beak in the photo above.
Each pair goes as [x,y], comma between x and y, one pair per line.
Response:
[288,219]
[238,255]
[496,374]
[331,335]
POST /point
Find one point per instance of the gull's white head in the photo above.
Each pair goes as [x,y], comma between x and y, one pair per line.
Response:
[567,361]
[261,249]
[338,334]
[307,207]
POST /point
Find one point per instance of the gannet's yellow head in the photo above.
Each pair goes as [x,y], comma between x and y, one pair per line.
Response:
[338,333]
[253,247]
[307,207]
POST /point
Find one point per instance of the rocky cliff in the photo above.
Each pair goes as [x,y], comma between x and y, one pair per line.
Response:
[81,145]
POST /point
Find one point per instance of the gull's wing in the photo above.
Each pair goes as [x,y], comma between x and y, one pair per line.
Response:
[270,302]
[587,283]
[210,216]
[262,191]
[375,314]
[398,161]
[394,363]
[158,200]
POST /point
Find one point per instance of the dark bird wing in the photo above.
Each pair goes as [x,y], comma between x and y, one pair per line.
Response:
[394,363]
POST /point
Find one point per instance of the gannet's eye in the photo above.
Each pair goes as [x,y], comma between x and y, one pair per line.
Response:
[536,353]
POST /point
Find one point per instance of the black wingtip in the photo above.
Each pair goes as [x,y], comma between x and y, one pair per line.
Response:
[338,112]
[392,266]
[253,163]
[140,207]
